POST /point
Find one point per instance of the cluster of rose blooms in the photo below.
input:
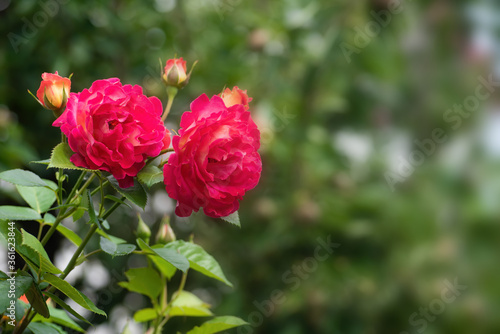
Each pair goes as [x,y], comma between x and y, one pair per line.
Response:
[116,128]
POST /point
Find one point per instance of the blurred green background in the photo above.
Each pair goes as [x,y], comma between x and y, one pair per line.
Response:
[348,96]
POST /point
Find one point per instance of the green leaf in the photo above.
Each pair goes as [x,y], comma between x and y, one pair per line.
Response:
[9,212]
[72,293]
[45,328]
[30,241]
[41,162]
[186,304]
[145,281]
[117,200]
[70,235]
[65,306]
[59,317]
[39,198]
[22,284]
[165,267]
[135,194]
[217,325]
[30,249]
[111,238]
[170,255]
[48,218]
[22,178]
[199,259]
[60,158]
[150,175]
[36,300]
[146,314]
[233,218]
[115,249]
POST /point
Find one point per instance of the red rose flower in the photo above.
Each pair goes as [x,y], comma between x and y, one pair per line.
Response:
[215,160]
[235,96]
[113,128]
[54,91]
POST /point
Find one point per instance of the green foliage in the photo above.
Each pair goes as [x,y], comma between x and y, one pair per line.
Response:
[22,284]
[22,178]
[199,259]
[60,317]
[150,175]
[39,198]
[30,250]
[175,259]
[67,233]
[135,194]
[9,212]
[65,306]
[143,280]
[35,297]
[217,325]
[60,158]
[45,328]
[233,218]
[186,304]
[113,249]
[145,314]
[72,293]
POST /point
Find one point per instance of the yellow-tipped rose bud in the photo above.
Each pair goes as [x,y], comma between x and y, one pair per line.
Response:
[175,74]
[54,92]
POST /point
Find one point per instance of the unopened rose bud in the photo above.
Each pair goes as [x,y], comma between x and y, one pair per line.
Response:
[235,96]
[175,73]
[143,230]
[54,92]
[165,232]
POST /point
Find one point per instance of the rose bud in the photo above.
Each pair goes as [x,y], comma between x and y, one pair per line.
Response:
[143,231]
[54,92]
[235,96]
[175,73]
[165,232]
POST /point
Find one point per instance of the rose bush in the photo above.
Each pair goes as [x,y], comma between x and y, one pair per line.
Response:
[215,160]
[113,128]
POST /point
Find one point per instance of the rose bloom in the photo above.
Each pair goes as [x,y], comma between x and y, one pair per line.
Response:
[175,73]
[113,128]
[54,91]
[235,96]
[215,160]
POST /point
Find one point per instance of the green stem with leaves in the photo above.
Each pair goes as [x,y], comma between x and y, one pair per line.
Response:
[62,213]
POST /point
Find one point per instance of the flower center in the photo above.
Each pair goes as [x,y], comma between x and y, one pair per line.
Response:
[112,124]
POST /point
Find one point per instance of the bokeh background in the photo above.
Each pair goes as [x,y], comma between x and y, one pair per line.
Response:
[348,96]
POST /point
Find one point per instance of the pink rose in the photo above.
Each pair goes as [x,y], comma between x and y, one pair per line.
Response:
[113,128]
[215,160]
